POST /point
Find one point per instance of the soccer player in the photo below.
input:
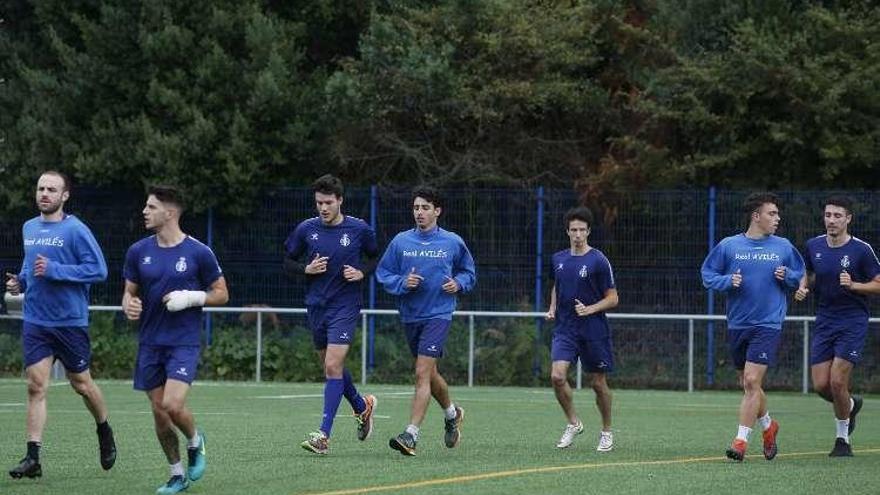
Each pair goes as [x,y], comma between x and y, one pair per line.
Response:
[755,269]
[169,276]
[426,267]
[582,292]
[328,251]
[61,261]
[843,270]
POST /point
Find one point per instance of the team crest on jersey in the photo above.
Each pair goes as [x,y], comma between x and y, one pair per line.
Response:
[583,271]
[345,240]
[180,266]
[147,260]
[844,262]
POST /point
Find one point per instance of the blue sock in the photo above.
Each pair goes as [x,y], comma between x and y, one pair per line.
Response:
[351,393]
[332,398]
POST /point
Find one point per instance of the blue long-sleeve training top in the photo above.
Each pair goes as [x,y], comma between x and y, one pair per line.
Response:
[60,298]
[761,299]
[436,255]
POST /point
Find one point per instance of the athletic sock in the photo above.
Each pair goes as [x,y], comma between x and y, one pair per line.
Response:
[351,393]
[33,450]
[743,433]
[843,429]
[177,469]
[332,398]
[450,411]
[414,431]
[765,421]
[104,428]
[194,442]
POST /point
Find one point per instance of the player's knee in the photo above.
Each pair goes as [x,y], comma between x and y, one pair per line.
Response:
[751,383]
[558,379]
[839,385]
[82,387]
[172,407]
[37,388]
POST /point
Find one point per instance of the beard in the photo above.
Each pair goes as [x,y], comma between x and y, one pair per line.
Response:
[50,208]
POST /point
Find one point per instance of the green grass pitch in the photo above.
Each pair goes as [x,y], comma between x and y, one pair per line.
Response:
[665,442]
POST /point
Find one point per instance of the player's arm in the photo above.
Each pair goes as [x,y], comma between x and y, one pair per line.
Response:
[131,302]
[91,267]
[387,272]
[712,271]
[551,311]
[867,288]
[807,281]
[794,270]
[465,271]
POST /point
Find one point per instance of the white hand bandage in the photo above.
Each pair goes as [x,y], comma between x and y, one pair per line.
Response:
[182,299]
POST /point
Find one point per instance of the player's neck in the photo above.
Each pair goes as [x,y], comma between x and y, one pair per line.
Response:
[56,216]
[580,250]
[170,236]
[838,240]
[756,233]
[336,220]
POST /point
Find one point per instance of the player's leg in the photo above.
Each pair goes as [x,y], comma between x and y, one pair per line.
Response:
[433,342]
[316,441]
[841,370]
[761,354]
[820,374]
[737,344]
[75,351]
[599,382]
[821,354]
[565,398]
[167,436]
[38,376]
[342,329]
[405,443]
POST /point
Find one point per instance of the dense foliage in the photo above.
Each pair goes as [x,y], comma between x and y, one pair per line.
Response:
[229,98]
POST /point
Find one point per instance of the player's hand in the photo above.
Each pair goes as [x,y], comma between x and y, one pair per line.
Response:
[179,300]
[550,315]
[845,280]
[779,273]
[451,286]
[40,265]
[413,279]
[318,265]
[134,308]
[13,286]
[582,309]
[736,279]
[351,273]
[801,293]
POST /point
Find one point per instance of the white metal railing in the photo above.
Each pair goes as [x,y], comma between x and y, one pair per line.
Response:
[472,315]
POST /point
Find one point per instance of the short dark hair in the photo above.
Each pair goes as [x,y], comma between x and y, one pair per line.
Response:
[756,200]
[429,193]
[168,194]
[581,213]
[329,184]
[64,177]
[841,201]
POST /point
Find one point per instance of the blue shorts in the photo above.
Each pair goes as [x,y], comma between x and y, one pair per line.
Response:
[334,325]
[595,354]
[841,338]
[157,364]
[427,338]
[757,345]
[69,344]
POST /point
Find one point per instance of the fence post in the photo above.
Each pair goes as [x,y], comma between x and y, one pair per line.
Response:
[259,346]
[539,255]
[363,349]
[209,237]
[580,375]
[710,307]
[470,350]
[690,355]
[371,332]
[805,379]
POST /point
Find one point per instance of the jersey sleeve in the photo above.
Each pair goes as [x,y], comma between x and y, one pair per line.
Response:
[465,269]
[295,244]
[387,272]
[209,268]
[130,270]
[870,263]
[795,267]
[808,258]
[713,269]
[90,266]
[606,276]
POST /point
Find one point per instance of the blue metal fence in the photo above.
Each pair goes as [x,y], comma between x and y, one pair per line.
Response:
[656,241]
